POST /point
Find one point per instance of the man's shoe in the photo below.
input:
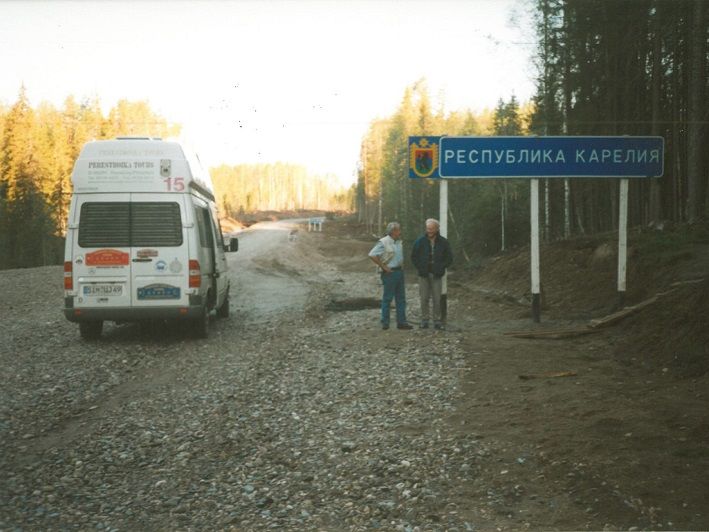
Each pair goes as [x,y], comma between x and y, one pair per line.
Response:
[424,324]
[439,326]
[404,326]
[385,326]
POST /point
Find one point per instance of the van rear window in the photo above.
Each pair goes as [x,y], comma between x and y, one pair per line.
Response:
[129,224]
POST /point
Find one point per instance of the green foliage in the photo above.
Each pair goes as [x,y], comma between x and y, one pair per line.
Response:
[627,67]
[248,188]
[29,237]
[136,118]
[506,120]
[38,147]
[385,192]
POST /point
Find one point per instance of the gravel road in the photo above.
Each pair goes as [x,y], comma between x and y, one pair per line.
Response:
[287,417]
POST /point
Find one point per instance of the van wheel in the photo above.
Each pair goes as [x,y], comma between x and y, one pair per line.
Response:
[90,330]
[223,310]
[200,326]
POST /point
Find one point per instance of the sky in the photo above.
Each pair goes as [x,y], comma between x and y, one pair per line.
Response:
[266,81]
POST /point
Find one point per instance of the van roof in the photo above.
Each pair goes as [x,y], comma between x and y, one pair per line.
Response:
[132,147]
[139,164]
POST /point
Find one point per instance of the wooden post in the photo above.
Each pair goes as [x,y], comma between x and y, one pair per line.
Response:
[443,207]
[622,240]
[534,222]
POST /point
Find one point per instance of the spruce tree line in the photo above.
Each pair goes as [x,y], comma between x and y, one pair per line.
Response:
[621,67]
[38,148]
[484,215]
[627,67]
[248,188]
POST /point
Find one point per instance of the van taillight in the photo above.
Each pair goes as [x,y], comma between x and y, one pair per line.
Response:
[68,276]
[195,274]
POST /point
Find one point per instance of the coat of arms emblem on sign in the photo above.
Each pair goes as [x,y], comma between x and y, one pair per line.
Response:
[423,158]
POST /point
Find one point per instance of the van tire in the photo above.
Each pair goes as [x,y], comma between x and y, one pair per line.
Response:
[200,326]
[90,330]
[223,310]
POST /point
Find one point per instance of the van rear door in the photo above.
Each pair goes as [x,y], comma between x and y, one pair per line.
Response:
[159,251]
[101,253]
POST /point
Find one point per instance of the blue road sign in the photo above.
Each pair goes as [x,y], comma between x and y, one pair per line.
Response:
[534,157]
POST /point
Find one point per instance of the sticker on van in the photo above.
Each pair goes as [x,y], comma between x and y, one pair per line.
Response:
[159,291]
[107,257]
[175,266]
[165,165]
[144,253]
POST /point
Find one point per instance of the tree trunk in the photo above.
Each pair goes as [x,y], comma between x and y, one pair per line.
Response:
[567,118]
[655,207]
[695,192]
[678,200]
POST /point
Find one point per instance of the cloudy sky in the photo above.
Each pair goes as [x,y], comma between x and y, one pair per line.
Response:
[295,81]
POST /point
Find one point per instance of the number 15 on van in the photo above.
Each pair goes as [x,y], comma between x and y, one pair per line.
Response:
[175,184]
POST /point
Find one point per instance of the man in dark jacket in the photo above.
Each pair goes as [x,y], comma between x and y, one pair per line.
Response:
[431,256]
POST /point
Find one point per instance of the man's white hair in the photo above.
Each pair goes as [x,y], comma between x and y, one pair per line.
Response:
[433,221]
[391,226]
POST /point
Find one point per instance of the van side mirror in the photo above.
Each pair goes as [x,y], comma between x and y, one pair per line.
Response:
[233,245]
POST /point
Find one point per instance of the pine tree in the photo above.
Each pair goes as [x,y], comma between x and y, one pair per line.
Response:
[128,118]
[26,223]
[38,148]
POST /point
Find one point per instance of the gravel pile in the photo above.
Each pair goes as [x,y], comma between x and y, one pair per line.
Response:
[315,420]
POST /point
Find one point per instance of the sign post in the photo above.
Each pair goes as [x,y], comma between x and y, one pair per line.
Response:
[443,207]
[534,249]
[622,240]
[542,157]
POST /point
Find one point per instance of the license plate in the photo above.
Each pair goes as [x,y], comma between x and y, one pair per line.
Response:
[103,290]
[159,292]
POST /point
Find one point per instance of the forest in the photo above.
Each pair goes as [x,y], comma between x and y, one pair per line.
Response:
[248,188]
[38,147]
[622,67]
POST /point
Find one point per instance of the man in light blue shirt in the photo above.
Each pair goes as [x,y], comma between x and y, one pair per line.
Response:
[388,254]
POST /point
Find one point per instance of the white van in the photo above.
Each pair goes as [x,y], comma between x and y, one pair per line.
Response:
[143,239]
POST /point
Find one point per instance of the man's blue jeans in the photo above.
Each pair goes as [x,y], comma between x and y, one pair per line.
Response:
[394,289]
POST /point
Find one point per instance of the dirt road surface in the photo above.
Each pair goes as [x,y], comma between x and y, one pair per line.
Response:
[300,413]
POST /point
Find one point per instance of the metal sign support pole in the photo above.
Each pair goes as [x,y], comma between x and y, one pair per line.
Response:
[443,204]
[622,240]
[534,222]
